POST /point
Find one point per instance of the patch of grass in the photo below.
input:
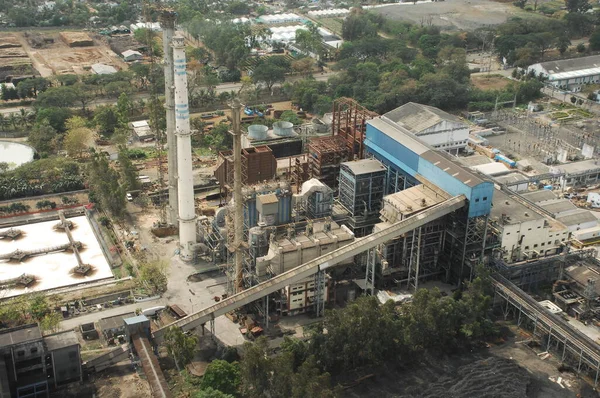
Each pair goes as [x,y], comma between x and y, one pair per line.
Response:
[203,151]
[333,24]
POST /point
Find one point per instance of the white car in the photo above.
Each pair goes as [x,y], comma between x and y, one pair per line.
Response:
[129,197]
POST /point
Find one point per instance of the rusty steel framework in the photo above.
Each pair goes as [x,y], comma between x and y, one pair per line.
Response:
[350,122]
[325,156]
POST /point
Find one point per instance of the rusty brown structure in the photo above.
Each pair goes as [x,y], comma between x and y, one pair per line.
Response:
[350,123]
[258,164]
[324,157]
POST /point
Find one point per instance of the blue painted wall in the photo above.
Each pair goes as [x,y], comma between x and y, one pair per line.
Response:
[389,151]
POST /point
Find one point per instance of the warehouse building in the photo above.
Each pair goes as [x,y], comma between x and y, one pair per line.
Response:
[569,74]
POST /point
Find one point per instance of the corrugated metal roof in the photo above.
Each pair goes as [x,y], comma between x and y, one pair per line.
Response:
[512,177]
[418,117]
[440,159]
[571,65]
[558,206]
[491,169]
[539,196]
[363,166]
[577,217]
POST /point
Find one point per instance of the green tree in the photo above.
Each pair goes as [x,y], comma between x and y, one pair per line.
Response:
[38,306]
[595,40]
[51,322]
[211,393]
[78,136]
[180,346]
[310,40]
[563,43]
[358,25]
[60,97]
[154,275]
[270,70]
[107,120]
[255,368]
[578,6]
[32,87]
[55,117]
[309,381]
[222,376]
[67,80]
[130,174]
[43,137]
[104,184]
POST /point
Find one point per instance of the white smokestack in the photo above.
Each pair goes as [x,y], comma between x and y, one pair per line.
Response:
[167,22]
[187,212]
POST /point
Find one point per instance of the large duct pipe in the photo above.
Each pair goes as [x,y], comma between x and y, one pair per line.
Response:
[187,211]
[167,22]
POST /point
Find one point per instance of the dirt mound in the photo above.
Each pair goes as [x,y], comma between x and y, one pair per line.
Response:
[490,377]
[473,375]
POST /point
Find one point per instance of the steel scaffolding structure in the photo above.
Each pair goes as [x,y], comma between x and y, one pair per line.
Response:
[573,346]
[464,246]
[350,123]
[361,192]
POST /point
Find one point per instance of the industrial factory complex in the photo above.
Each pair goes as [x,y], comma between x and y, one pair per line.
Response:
[308,217]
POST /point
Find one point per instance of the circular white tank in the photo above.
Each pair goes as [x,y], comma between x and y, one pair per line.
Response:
[257,132]
[283,128]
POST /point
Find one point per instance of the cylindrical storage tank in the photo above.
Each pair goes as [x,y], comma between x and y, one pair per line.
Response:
[283,128]
[257,132]
[257,239]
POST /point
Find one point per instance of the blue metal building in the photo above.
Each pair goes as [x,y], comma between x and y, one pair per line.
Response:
[410,162]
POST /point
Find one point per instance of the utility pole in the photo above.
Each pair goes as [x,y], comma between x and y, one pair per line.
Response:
[236,108]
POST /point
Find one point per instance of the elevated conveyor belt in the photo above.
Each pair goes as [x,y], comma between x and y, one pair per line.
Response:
[312,267]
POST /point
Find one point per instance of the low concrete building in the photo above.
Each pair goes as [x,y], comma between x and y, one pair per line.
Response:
[516,182]
[114,326]
[585,172]
[142,131]
[525,232]
[32,365]
[103,69]
[435,127]
[132,55]
[569,74]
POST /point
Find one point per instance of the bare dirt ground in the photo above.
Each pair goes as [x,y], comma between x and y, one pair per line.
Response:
[119,381]
[59,58]
[491,82]
[452,14]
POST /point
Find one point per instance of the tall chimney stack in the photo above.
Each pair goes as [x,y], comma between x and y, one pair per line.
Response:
[167,22]
[187,212]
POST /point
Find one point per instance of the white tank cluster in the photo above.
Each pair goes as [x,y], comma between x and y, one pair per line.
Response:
[187,212]
[283,129]
[257,132]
